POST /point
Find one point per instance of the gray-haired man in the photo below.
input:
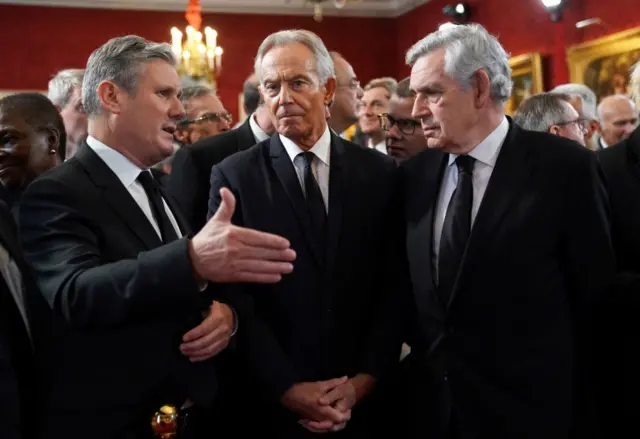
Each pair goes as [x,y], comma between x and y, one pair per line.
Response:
[509,250]
[132,322]
[65,91]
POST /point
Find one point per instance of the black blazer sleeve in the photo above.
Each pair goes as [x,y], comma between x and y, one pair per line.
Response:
[267,360]
[60,244]
[188,183]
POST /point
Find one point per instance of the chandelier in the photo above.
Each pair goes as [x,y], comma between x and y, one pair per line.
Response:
[317,6]
[200,60]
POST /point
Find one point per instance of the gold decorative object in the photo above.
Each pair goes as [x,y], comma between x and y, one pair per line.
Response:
[603,64]
[200,59]
[526,74]
[165,422]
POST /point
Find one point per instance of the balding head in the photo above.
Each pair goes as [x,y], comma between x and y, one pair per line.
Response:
[348,92]
[618,118]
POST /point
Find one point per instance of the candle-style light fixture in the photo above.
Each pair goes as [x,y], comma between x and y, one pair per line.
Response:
[200,58]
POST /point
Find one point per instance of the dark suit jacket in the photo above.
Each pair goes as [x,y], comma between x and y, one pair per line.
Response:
[16,355]
[119,301]
[620,329]
[324,320]
[509,349]
[191,170]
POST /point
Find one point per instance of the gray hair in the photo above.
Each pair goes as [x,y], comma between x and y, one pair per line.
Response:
[61,86]
[119,61]
[195,91]
[541,111]
[468,48]
[588,97]
[324,64]
[388,83]
[634,82]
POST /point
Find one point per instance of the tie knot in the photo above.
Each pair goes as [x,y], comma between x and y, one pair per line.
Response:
[465,164]
[307,156]
[146,179]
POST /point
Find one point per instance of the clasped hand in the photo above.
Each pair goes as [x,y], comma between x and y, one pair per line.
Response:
[324,405]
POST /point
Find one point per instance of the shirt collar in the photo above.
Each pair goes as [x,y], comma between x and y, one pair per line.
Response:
[124,169]
[258,132]
[321,148]
[487,150]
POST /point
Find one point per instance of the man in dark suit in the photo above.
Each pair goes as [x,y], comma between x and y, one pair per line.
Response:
[509,250]
[17,378]
[619,344]
[133,322]
[191,168]
[313,346]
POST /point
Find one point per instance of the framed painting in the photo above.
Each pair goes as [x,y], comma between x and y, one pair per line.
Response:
[604,64]
[526,74]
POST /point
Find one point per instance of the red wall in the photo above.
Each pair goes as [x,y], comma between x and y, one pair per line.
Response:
[49,39]
[46,40]
[524,26]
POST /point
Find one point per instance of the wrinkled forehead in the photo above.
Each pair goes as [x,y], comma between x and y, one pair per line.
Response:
[427,70]
[287,62]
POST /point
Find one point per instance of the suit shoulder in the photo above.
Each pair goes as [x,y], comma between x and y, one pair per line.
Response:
[220,145]
[613,153]
[245,158]
[556,148]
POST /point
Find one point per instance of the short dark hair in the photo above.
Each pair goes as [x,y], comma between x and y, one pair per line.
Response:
[39,112]
[251,96]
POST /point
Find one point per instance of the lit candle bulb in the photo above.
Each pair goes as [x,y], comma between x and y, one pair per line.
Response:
[218,58]
[210,59]
[176,41]
[202,50]
[187,60]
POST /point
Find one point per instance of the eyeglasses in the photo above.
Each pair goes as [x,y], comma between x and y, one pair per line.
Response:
[353,84]
[406,126]
[580,123]
[208,117]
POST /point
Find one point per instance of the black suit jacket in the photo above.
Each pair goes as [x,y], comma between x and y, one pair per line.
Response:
[324,320]
[620,329]
[17,379]
[191,170]
[509,349]
[119,301]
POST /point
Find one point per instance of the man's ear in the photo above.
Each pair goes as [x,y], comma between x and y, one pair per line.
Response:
[111,96]
[53,138]
[482,87]
[555,129]
[330,91]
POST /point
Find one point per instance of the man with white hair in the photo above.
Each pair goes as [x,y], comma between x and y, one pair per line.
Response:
[314,345]
[131,320]
[509,250]
[618,119]
[584,100]
[621,166]
[551,113]
[65,91]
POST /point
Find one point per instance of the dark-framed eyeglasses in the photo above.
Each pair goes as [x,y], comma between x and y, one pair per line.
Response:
[581,123]
[406,126]
[208,117]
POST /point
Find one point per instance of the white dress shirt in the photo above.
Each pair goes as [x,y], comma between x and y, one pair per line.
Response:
[380,146]
[320,165]
[258,132]
[127,173]
[486,154]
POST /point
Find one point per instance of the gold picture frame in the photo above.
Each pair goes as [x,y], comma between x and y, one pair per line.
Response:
[527,77]
[603,64]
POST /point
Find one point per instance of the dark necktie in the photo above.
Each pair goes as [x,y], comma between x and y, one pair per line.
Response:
[152,189]
[313,195]
[456,228]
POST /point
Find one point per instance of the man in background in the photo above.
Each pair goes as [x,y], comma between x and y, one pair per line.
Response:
[374,101]
[403,131]
[584,100]
[344,109]
[65,91]
[551,113]
[618,119]
[205,116]
[191,165]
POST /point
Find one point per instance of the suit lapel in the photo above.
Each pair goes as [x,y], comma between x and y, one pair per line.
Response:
[288,178]
[118,197]
[338,194]
[422,186]
[511,171]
